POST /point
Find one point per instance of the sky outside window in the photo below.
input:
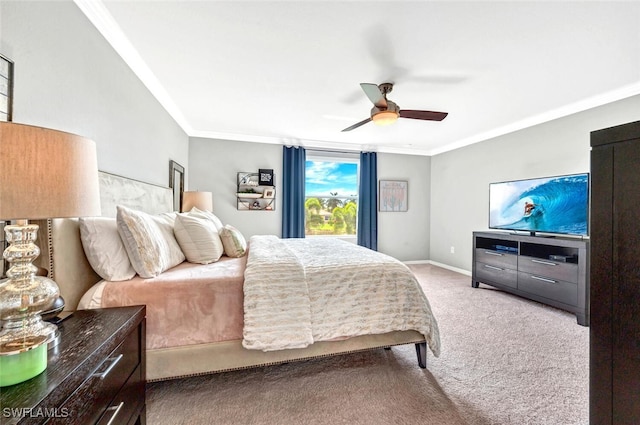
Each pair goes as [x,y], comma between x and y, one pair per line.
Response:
[325,177]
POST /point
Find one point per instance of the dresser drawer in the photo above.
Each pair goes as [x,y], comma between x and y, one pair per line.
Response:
[557,290]
[494,274]
[95,394]
[126,405]
[498,259]
[567,272]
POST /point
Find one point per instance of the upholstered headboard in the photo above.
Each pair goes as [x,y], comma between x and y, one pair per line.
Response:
[62,254]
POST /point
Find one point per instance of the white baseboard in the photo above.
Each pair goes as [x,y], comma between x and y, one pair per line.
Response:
[417,262]
[444,266]
[448,267]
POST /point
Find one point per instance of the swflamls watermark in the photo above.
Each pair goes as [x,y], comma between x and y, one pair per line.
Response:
[39,412]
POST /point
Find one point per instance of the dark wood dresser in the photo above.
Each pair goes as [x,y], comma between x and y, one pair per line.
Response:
[614,387]
[96,374]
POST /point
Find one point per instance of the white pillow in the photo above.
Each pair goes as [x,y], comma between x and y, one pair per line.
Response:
[104,248]
[198,238]
[149,241]
[234,243]
[209,215]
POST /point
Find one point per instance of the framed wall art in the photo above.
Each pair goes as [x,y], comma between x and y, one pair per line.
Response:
[6,89]
[393,196]
[265,177]
[176,182]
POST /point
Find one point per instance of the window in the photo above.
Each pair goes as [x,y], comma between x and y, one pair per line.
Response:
[331,193]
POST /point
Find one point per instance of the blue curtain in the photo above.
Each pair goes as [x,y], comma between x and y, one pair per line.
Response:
[293,160]
[368,201]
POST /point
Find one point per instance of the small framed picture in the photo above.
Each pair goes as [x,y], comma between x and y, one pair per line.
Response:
[6,88]
[268,192]
[265,177]
[393,196]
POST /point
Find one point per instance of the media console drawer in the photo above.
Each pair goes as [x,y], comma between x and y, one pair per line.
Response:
[491,273]
[553,269]
[496,258]
[557,290]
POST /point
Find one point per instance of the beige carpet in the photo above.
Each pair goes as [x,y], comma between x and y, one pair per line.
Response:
[505,360]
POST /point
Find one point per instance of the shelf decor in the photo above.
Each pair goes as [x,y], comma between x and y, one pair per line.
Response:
[252,194]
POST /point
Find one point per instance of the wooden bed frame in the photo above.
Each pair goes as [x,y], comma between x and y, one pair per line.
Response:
[63,256]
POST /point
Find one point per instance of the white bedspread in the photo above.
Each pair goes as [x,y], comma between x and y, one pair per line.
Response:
[298,291]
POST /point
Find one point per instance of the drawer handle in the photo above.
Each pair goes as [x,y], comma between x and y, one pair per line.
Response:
[116,410]
[493,267]
[114,361]
[547,263]
[544,279]
[497,254]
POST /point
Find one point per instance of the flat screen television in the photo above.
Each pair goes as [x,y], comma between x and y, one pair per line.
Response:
[558,204]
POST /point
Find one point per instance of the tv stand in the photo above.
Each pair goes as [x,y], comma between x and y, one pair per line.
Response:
[552,271]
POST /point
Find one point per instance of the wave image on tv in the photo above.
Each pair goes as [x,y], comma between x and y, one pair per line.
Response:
[551,205]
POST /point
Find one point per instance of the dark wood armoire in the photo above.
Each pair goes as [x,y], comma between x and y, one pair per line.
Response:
[614,387]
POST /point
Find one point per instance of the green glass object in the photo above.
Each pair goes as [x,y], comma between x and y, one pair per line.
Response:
[19,365]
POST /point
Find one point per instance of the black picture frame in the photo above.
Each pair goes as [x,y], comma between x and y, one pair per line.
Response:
[265,177]
[176,183]
[6,89]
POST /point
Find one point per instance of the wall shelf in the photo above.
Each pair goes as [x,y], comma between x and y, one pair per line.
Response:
[253,196]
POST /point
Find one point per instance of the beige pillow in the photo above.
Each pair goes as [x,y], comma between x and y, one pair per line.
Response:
[209,215]
[104,248]
[198,238]
[234,243]
[149,241]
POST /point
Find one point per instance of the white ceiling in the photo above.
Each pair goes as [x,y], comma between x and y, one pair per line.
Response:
[288,72]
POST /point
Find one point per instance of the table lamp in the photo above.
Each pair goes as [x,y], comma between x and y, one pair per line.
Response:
[201,200]
[43,174]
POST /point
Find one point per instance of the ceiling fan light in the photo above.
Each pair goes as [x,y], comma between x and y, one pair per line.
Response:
[385,117]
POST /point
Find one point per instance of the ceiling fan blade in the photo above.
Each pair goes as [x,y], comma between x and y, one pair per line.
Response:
[423,115]
[363,122]
[374,94]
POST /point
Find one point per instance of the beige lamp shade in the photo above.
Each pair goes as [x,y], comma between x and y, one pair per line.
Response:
[46,174]
[201,200]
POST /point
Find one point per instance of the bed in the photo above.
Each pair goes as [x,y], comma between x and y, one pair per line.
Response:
[246,316]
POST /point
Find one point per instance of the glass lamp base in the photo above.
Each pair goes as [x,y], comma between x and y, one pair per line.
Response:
[23,296]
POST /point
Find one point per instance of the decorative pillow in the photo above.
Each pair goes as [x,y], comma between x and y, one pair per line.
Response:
[209,215]
[104,248]
[166,222]
[198,238]
[149,241]
[234,243]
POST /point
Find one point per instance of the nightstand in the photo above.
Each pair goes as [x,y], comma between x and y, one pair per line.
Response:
[96,374]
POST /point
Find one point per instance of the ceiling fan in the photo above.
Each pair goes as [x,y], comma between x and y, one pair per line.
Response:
[386,112]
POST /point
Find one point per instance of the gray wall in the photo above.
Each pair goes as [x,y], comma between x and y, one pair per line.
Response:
[405,235]
[67,77]
[460,178]
[215,163]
